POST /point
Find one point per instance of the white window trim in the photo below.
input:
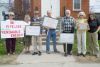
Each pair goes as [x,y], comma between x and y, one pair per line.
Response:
[80,6]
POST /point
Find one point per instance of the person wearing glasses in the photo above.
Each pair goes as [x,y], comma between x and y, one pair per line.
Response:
[81,33]
[10,42]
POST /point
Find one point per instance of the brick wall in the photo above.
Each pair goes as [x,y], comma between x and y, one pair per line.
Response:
[64,4]
[35,4]
[69,5]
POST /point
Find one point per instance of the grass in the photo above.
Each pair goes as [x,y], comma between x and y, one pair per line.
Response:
[4,58]
[75,45]
[19,47]
[88,58]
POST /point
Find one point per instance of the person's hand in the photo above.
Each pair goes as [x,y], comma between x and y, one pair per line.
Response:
[58,33]
[46,27]
[78,26]
[96,31]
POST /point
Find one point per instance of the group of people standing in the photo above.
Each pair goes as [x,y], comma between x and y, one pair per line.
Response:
[68,25]
[92,28]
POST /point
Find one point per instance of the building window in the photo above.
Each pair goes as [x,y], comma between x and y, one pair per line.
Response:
[77,5]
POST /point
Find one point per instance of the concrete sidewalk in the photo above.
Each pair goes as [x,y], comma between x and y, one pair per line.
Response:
[45,58]
[49,60]
[68,64]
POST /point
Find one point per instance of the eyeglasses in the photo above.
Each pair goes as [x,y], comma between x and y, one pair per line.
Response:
[11,15]
[81,15]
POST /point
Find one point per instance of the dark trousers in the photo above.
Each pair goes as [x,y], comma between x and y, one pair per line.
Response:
[67,48]
[10,45]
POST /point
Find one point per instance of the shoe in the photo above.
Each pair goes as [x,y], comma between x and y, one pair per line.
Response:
[13,53]
[34,53]
[8,54]
[48,52]
[88,53]
[79,54]
[55,51]
[26,52]
[84,55]
[39,53]
[69,53]
[97,56]
[65,54]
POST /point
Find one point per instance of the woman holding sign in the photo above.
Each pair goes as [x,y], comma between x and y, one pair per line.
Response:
[82,27]
[94,25]
[27,39]
[11,42]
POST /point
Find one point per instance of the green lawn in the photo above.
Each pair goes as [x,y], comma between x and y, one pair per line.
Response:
[75,45]
[19,47]
[4,58]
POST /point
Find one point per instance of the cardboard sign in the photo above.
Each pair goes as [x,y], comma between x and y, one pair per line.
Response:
[50,22]
[66,38]
[12,29]
[33,30]
[83,26]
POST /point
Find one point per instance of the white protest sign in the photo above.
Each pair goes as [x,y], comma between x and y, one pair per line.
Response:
[83,26]
[33,30]
[50,22]
[12,29]
[66,38]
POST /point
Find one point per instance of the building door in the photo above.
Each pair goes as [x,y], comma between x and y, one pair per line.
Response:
[53,5]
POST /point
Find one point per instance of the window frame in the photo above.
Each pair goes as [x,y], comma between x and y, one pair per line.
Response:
[74,9]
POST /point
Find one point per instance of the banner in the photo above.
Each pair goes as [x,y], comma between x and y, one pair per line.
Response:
[33,30]
[50,22]
[12,29]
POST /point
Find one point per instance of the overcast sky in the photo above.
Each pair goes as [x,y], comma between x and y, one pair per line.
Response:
[94,2]
[5,1]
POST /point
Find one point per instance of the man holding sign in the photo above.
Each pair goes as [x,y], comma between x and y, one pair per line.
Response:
[67,32]
[36,31]
[51,32]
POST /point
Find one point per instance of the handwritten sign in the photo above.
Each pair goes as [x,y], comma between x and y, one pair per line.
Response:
[83,26]
[33,30]
[66,38]
[50,22]
[12,29]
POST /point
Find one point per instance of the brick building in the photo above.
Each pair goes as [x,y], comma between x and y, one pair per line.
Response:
[57,6]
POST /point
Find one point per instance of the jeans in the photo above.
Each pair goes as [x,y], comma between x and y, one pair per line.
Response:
[51,34]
